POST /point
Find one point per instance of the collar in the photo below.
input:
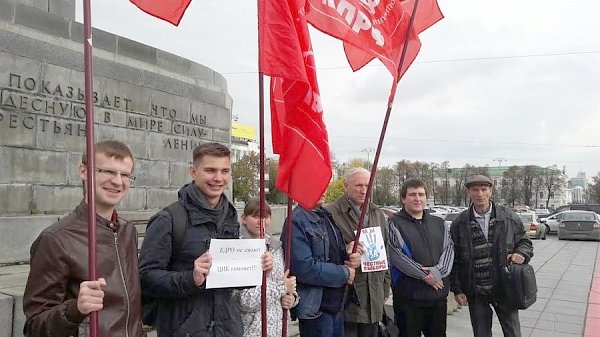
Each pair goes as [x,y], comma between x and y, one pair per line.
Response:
[485,215]
[113,224]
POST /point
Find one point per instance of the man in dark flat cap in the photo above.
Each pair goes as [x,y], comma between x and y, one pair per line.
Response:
[486,237]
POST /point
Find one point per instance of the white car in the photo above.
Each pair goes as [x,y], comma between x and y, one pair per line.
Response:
[552,221]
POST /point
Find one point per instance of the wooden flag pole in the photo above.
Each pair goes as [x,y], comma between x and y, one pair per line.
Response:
[262,212]
[388,112]
[90,153]
[288,259]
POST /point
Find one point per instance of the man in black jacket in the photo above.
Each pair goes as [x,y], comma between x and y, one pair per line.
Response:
[486,237]
[176,275]
[421,257]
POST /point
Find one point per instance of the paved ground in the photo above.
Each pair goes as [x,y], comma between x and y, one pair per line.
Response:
[568,278]
[564,271]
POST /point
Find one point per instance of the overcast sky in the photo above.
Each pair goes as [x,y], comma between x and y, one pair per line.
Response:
[512,80]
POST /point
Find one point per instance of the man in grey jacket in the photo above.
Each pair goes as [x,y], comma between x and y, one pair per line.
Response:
[486,237]
[362,315]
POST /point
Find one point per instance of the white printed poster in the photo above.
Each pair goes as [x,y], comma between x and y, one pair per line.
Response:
[235,263]
[375,257]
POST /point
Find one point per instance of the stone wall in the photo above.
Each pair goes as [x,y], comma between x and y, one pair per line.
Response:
[158,103]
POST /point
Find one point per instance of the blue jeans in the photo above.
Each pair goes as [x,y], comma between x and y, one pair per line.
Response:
[326,325]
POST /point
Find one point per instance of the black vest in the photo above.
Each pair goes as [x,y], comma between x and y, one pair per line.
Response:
[425,238]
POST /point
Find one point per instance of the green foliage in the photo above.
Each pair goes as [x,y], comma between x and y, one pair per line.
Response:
[275,196]
[245,175]
[335,190]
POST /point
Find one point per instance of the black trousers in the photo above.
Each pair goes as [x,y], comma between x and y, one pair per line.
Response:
[361,330]
[416,317]
[481,318]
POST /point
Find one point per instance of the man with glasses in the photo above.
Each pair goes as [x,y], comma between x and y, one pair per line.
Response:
[58,299]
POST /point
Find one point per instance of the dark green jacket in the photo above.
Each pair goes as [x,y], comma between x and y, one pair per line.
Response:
[371,288]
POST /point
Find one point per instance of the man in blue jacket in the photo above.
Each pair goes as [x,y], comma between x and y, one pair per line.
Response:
[323,265]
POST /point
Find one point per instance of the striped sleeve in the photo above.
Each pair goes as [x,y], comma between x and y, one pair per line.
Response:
[398,258]
[444,266]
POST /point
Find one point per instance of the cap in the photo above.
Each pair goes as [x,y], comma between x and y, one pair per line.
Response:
[479,179]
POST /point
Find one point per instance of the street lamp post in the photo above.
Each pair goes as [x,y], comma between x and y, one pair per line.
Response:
[499,160]
[368,150]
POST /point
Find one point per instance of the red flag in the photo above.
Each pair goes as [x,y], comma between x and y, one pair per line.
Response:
[168,10]
[298,132]
[375,28]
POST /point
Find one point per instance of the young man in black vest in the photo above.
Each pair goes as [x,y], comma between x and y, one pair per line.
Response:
[421,257]
[486,237]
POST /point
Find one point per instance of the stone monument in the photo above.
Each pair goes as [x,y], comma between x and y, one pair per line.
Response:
[158,103]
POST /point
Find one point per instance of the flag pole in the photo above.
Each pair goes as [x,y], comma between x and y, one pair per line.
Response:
[261,162]
[388,112]
[288,259]
[261,113]
[90,153]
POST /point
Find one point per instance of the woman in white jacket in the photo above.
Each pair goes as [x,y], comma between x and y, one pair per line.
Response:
[281,288]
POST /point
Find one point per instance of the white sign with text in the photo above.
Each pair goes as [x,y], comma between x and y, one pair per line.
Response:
[235,263]
[375,257]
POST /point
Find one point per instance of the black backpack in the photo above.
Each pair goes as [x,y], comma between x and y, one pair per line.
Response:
[180,219]
[519,287]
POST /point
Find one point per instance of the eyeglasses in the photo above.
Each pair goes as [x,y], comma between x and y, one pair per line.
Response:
[112,173]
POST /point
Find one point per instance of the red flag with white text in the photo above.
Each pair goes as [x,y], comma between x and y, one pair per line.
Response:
[375,28]
[298,131]
[169,10]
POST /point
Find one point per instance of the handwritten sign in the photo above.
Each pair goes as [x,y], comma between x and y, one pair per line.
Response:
[235,263]
[375,257]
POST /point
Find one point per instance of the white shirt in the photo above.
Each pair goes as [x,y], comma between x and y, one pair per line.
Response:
[483,220]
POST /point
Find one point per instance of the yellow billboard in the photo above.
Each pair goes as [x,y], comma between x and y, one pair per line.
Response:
[243,131]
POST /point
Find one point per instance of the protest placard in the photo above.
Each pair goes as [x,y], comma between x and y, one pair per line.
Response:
[235,263]
[375,257]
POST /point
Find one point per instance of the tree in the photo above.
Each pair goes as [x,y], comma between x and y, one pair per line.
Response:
[538,184]
[528,174]
[274,196]
[335,190]
[594,189]
[387,186]
[245,176]
[553,181]
[511,186]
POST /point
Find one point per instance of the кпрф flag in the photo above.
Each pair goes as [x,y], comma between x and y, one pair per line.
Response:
[168,10]
[375,28]
[298,132]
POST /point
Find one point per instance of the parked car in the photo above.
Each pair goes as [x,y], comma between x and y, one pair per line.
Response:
[552,221]
[436,212]
[450,217]
[579,225]
[580,207]
[542,212]
[532,225]
[389,211]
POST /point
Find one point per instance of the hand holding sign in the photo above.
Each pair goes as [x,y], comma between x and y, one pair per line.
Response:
[201,268]
[237,263]
[376,257]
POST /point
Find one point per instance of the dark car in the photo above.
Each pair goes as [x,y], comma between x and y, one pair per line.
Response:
[579,225]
